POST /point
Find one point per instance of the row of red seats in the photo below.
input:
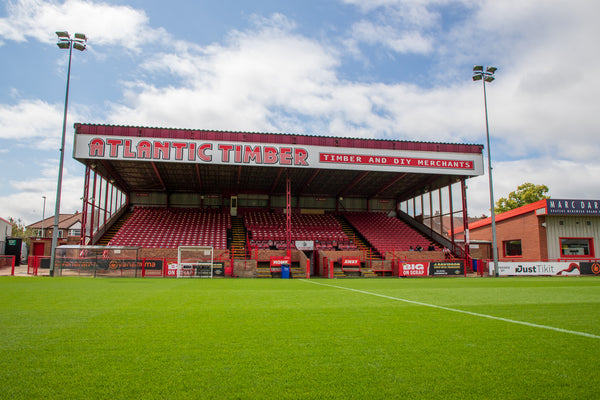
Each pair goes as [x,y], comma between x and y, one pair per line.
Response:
[386,233]
[160,227]
[272,220]
[265,226]
[321,245]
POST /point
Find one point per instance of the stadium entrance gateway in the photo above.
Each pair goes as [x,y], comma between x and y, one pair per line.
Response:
[258,194]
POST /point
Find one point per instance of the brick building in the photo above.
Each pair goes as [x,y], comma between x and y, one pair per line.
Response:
[550,229]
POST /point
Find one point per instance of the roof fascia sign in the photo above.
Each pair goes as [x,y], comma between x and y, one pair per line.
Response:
[276,155]
[572,207]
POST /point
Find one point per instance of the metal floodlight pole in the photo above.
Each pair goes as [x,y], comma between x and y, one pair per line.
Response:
[43,216]
[64,42]
[487,75]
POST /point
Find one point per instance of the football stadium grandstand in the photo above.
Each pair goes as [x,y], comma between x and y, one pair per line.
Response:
[324,206]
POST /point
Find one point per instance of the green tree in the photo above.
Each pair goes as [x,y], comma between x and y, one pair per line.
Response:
[527,193]
[20,230]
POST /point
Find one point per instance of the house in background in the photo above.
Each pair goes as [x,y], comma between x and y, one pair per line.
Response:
[69,232]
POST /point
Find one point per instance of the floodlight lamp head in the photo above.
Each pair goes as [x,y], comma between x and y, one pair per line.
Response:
[491,70]
[79,46]
[478,68]
[64,44]
[489,78]
[63,35]
[81,36]
[477,77]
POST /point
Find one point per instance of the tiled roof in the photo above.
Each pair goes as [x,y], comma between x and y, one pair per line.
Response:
[65,221]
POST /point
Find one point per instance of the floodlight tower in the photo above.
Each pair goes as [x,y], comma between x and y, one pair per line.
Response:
[79,42]
[487,75]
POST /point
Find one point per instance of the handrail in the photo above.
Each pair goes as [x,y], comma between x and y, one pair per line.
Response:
[454,247]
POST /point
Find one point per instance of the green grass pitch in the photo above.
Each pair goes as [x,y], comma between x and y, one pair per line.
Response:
[84,338]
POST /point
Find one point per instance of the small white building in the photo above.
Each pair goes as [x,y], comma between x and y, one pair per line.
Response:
[5,231]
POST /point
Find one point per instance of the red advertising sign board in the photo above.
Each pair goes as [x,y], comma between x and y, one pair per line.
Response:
[350,262]
[279,261]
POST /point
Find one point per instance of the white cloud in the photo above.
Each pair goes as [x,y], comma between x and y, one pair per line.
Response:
[402,26]
[30,119]
[411,41]
[544,96]
[276,80]
[408,12]
[36,123]
[565,179]
[106,24]
[242,85]
[26,201]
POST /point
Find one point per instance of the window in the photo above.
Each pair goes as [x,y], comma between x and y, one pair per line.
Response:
[74,232]
[576,247]
[512,248]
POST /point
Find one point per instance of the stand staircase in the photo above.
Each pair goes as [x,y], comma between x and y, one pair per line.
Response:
[362,246]
[238,243]
[112,231]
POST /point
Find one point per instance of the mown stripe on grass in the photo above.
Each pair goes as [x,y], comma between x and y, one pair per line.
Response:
[512,321]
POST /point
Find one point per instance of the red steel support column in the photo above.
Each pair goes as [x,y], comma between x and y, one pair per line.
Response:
[86,187]
[93,210]
[441,212]
[288,230]
[463,189]
[105,200]
[307,269]
[100,201]
[451,215]
[112,195]
[431,209]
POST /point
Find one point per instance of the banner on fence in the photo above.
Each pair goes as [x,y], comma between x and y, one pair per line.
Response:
[414,268]
[446,268]
[538,268]
[172,269]
[218,269]
[106,264]
[589,268]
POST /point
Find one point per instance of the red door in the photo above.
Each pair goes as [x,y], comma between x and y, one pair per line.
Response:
[38,248]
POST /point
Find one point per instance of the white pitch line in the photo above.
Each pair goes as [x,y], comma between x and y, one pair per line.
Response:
[512,321]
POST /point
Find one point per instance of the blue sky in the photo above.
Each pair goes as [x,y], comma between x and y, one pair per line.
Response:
[394,69]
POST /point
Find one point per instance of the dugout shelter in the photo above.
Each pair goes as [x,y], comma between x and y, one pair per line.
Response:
[231,174]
